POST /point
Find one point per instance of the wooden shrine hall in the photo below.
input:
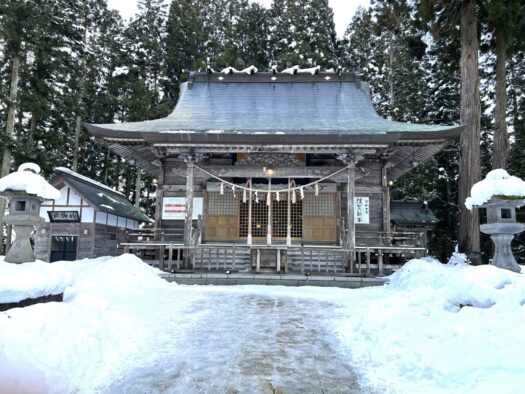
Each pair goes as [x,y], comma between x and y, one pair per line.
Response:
[276,172]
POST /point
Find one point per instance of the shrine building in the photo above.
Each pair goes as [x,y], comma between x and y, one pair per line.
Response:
[277,172]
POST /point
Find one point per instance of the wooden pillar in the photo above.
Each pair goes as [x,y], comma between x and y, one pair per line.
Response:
[158,202]
[249,237]
[188,219]
[350,191]
[289,218]
[386,201]
[137,188]
[269,203]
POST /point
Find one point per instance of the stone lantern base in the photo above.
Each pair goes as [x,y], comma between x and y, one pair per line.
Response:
[21,250]
[502,235]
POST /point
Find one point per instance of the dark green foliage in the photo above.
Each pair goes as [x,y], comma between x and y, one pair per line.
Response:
[409,52]
[304,33]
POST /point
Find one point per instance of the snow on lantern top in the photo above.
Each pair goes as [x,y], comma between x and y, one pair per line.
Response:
[27,179]
[497,183]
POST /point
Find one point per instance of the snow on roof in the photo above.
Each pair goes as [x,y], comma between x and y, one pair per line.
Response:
[86,179]
[101,196]
[26,179]
[497,183]
[291,70]
[29,167]
[232,70]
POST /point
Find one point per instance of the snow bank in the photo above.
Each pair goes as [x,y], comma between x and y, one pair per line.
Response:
[435,328]
[26,179]
[439,328]
[31,280]
[496,183]
[98,330]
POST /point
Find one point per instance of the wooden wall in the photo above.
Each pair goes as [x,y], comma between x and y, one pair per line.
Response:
[94,240]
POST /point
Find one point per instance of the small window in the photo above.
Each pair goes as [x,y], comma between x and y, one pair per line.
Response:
[506,213]
[20,206]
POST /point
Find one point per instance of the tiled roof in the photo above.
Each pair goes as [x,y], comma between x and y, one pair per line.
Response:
[302,104]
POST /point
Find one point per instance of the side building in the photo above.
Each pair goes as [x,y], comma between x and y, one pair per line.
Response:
[89,220]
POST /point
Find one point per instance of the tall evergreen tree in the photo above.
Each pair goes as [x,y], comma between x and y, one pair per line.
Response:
[184,43]
[443,13]
[506,20]
[303,33]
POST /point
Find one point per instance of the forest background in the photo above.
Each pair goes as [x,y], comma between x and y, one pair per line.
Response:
[78,61]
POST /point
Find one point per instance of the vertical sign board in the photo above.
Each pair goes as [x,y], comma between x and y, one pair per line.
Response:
[174,208]
[362,210]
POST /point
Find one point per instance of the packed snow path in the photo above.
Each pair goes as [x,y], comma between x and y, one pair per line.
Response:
[245,343]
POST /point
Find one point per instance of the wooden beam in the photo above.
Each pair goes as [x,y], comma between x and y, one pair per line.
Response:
[257,172]
[255,147]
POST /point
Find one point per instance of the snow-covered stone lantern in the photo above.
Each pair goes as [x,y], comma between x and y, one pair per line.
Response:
[26,190]
[500,193]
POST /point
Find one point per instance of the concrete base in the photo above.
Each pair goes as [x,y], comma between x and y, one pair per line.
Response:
[221,279]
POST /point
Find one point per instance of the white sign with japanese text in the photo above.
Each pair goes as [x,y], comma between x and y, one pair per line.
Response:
[362,210]
[174,208]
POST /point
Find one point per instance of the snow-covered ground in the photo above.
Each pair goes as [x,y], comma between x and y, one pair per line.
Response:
[434,328]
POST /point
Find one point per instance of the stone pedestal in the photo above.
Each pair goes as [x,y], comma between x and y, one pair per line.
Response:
[21,250]
[23,224]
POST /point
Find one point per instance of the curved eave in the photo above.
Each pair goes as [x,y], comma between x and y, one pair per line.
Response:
[255,137]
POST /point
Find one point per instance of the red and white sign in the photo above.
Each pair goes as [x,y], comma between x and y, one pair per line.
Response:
[174,208]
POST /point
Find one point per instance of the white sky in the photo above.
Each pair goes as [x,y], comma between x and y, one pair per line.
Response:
[343,10]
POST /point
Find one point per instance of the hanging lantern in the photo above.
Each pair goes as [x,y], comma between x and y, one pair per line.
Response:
[316,189]
[222,189]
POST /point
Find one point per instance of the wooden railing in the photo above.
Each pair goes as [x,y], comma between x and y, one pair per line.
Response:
[221,257]
[363,260]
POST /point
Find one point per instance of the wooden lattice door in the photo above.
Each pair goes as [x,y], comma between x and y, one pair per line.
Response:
[319,218]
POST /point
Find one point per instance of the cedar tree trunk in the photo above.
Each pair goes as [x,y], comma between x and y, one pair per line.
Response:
[9,130]
[501,140]
[469,154]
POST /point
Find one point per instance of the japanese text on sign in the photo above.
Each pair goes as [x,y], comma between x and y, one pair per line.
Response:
[174,208]
[362,210]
